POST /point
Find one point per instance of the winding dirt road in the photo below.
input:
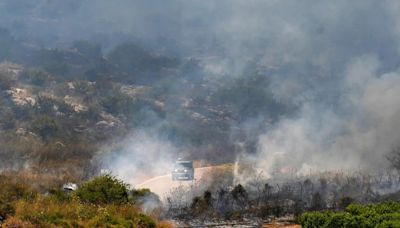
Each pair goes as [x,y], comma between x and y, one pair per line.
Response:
[162,185]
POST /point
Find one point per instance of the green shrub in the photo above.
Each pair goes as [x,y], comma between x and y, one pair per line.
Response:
[379,215]
[108,220]
[313,219]
[59,195]
[390,224]
[103,189]
[141,195]
[145,221]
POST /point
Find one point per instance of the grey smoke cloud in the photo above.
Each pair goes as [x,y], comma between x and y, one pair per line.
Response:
[355,133]
[139,157]
[337,61]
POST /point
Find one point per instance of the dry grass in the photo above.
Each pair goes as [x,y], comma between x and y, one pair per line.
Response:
[23,206]
[47,211]
[165,224]
[13,222]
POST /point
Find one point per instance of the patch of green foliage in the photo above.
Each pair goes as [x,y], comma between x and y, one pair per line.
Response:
[47,211]
[139,196]
[23,206]
[102,190]
[385,214]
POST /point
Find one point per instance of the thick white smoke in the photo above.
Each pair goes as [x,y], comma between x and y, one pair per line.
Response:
[139,157]
[357,132]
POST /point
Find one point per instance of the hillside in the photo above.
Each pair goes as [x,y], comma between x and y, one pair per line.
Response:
[60,107]
[294,104]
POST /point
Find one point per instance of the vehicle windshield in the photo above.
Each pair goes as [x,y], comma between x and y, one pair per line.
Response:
[183,165]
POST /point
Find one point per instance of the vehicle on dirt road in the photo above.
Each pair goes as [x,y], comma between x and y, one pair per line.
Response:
[183,170]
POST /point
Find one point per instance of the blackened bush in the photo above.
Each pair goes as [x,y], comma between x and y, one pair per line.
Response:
[198,206]
[317,202]
[103,189]
[240,196]
[344,202]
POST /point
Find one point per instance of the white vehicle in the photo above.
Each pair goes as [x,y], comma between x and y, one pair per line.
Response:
[183,170]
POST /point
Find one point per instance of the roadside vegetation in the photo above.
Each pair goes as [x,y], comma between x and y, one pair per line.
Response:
[329,199]
[102,202]
[385,215]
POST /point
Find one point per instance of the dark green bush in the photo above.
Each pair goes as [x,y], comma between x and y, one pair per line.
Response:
[59,195]
[146,222]
[103,189]
[141,195]
[379,215]
[313,219]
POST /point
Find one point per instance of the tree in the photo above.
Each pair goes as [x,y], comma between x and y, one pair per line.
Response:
[240,196]
[46,127]
[102,190]
[202,205]
[394,158]
[317,202]
[141,196]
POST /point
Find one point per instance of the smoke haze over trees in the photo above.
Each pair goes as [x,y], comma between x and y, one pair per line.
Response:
[314,84]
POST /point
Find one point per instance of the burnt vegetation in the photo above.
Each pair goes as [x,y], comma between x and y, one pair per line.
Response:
[329,199]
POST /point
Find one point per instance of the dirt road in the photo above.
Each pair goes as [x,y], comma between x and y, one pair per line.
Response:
[161,185]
